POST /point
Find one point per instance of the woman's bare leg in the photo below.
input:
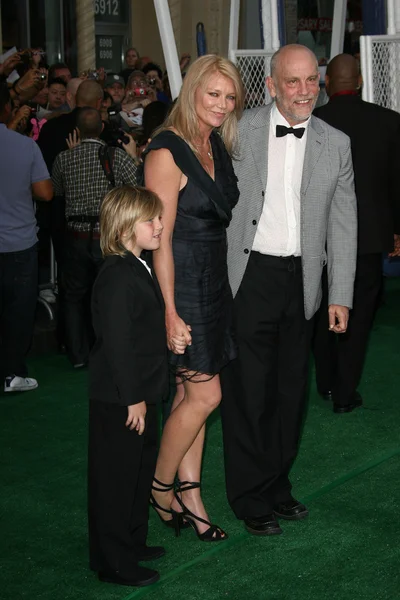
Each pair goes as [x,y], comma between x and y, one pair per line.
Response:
[183,440]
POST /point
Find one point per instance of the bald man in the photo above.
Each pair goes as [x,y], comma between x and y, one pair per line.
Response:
[296,212]
[375,145]
[53,140]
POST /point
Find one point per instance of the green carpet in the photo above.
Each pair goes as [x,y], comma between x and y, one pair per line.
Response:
[347,472]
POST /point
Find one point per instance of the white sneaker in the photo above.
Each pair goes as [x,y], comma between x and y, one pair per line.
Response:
[14,383]
[47,296]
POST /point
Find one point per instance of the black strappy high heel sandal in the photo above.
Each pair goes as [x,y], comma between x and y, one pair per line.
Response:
[177,521]
[213,533]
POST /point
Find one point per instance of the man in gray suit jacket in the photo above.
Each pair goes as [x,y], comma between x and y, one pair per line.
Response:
[296,213]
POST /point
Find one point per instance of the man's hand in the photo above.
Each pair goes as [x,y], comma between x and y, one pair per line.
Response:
[20,119]
[73,139]
[338,318]
[101,72]
[28,86]
[151,95]
[131,147]
[184,61]
[396,251]
[10,63]
[136,417]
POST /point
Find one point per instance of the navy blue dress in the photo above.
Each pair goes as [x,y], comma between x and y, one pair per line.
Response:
[203,297]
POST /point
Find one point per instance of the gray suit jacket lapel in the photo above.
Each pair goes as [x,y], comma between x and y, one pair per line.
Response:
[259,139]
[314,147]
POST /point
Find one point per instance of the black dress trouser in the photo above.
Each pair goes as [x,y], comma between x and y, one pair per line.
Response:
[339,359]
[82,259]
[121,466]
[264,389]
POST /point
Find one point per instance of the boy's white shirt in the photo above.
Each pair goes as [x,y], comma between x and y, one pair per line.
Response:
[145,264]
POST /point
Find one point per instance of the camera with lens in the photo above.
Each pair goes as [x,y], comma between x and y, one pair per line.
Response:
[139,91]
[42,76]
[116,134]
[91,74]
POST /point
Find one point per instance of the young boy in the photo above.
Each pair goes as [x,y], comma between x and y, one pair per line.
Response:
[128,374]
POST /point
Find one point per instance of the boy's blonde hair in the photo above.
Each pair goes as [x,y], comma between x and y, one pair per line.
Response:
[121,209]
[183,117]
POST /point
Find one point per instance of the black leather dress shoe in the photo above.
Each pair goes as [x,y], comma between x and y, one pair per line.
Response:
[150,553]
[326,395]
[140,577]
[346,408]
[265,525]
[293,510]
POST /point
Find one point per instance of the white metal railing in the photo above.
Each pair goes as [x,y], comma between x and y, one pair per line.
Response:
[380,65]
[254,67]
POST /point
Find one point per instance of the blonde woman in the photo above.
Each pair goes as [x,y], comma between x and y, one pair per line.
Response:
[188,164]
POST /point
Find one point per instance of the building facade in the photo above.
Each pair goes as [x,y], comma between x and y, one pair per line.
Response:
[94,33]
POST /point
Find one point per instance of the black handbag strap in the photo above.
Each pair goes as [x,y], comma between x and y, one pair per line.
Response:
[106,157]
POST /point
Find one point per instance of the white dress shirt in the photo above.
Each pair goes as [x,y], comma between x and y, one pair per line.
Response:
[145,264]
[278,231]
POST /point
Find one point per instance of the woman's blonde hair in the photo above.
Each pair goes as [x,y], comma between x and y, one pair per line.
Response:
[183,117]
[121,209]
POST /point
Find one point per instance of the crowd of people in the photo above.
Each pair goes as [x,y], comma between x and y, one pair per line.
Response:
[202,240]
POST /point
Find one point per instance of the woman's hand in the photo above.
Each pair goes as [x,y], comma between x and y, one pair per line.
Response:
[136,417]
[178,334]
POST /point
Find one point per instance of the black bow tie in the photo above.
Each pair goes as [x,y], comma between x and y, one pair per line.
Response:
[281,131]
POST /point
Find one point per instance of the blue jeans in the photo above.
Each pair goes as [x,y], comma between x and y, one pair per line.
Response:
[18,297]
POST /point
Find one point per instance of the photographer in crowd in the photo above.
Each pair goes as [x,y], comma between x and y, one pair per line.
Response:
[154,78]
[60,71]
[83,175]
[115,86]
[22,173]
[28,86]
[138,95]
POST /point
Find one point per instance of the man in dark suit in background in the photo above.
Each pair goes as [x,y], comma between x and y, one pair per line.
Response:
[375,143]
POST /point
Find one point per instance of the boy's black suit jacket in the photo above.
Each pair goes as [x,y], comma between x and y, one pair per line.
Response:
[128,363]
[374,132]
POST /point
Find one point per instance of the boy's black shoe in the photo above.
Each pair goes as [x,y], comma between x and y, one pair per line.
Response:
[140,577]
